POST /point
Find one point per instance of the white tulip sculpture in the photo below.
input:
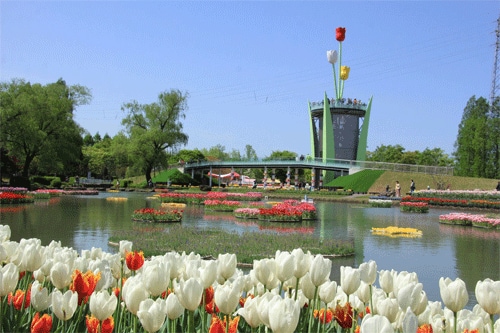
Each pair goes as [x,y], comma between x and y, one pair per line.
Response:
[454,295]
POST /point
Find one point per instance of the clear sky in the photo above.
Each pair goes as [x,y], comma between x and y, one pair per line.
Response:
[250,67]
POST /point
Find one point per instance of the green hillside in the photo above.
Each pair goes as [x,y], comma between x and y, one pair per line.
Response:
[359,182]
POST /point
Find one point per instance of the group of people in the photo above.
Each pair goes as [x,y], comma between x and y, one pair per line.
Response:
[398,188]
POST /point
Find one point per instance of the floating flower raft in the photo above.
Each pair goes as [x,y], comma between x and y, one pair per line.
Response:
[116,199]
[397,232]
[157,216]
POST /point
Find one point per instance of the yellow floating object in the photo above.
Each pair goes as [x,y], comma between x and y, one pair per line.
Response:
[274,203]
[113,191]
[116,199]
[154,197]
[397,232]
[173,205]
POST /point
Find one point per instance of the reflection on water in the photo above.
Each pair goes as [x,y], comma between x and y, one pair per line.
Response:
[470,253]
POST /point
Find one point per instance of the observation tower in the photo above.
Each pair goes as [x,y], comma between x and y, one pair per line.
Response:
[338,125]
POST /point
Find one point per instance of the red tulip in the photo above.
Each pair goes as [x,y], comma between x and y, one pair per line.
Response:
[340,34]
[134,260]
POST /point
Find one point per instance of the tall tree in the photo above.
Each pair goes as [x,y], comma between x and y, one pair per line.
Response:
[250,153]
[474,141]
[155,127]
[37,123]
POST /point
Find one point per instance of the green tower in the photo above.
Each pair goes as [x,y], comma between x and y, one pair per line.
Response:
[338,125]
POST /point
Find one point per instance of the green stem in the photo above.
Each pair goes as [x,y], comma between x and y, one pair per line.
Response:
[341,91]
[190,321]
[335,82]
[371,302]
[227,323]
[492,322]
[455,322]
[297,283]
[311,310]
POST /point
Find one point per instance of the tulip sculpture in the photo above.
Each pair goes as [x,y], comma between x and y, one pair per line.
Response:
[102,292]
[332,57]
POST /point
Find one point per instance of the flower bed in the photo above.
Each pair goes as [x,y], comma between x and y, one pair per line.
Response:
[476,220]
[15,198]
[187,198]
[380,203]
[414,207]
[246,213]
[453,201]
[397,232]
[283,212]
[157,216]
[221,205]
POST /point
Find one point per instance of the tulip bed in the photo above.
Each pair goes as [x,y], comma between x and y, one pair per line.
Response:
[221,205]
[199,198]
[380,203]
[15,198]
[54,289]
[156,215]
[476,220]
[415,207]
[454,200]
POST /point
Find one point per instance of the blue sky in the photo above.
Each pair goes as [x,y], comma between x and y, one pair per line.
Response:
[251,67]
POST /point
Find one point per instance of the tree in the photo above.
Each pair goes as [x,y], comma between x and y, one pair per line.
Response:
[37,123]
[389,154]
[155,127]
[474,141]
[250,154]
[216,152]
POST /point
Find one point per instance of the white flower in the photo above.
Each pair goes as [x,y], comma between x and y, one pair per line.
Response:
[453,293]
[102,304]
[152,314]
[64,305]
[332,56]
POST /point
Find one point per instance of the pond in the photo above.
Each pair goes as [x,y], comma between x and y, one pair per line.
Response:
[472,254]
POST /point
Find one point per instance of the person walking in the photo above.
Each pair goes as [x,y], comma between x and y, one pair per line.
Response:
[412,187]
[398,189]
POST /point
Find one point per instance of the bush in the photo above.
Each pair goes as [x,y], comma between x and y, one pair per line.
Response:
[56,182]
[19,181]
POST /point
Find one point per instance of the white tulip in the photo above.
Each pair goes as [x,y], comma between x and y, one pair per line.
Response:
[60,275]
[332,56]
[250,312]
[363,292]
[152,314]
[487,292]
[189,293]
[402,279]
[388,308]
[174,307]
[9,276]
[453,293]
[263,303]
[134,292]
[102,304]
[413,296]
[350,279]
[125,246]
[208,272]
[368,272]
[320,270]
[307,287]
[226,265]
[156,277]
[40,298]
[5,233]
[285,265]
[64,305]
[285,315]
[376,323]
[386,280]
[328,291]
[265,272]
[302,262]
[227,296]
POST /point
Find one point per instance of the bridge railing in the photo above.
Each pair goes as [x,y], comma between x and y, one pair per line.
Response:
[320,162]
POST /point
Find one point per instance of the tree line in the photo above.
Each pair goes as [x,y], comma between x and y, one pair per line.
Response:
[38,136]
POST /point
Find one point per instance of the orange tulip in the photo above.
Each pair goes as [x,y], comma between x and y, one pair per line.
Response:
[41,324]
[134,260]
[219,326]
[84,284]
[425,328]
[324,316]
[20,299]
[94,326]
[340,34]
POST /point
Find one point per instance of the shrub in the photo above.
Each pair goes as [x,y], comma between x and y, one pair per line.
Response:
[55,182]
